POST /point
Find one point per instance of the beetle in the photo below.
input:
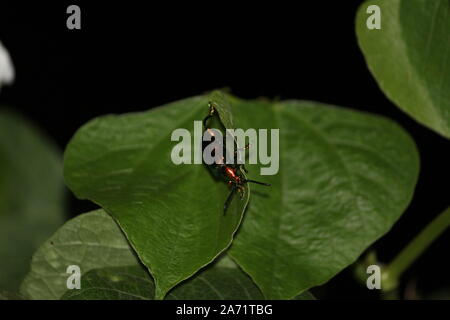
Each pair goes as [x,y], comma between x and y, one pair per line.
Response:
[232,174]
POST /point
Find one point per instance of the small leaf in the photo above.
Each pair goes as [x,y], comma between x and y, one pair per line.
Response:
[220,102]
[172,214]
[31,195]
[409,57]
[91,240]
[345,177]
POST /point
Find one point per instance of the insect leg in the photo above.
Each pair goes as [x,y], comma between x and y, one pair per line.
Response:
[229,198]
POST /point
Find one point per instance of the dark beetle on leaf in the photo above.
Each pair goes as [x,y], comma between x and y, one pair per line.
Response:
[231,173]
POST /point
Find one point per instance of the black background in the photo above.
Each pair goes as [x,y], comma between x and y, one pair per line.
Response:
[131,57]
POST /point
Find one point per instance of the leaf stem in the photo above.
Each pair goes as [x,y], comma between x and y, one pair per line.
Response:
[393,272]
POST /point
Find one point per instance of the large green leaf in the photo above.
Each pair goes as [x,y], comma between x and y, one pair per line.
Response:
[345,177]
[409,57]
[31,195]
[91,240]
[172,214]
[135,283]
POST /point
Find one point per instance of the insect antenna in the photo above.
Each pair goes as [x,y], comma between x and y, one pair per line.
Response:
[210,114]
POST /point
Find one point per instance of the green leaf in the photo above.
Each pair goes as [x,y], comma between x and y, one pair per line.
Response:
[409,57]
[31,195]
[172,214]
[135,283]
[345,177]
[91,240]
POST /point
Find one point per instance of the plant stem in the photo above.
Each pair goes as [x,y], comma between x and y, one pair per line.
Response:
[413,250]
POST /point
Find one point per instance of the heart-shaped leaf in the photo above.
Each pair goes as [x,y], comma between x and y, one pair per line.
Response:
[172,214]
[345,177]
[31,195]
[91,240]
[409,56]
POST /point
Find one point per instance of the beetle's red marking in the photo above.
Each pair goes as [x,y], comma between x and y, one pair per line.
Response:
[231,173]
